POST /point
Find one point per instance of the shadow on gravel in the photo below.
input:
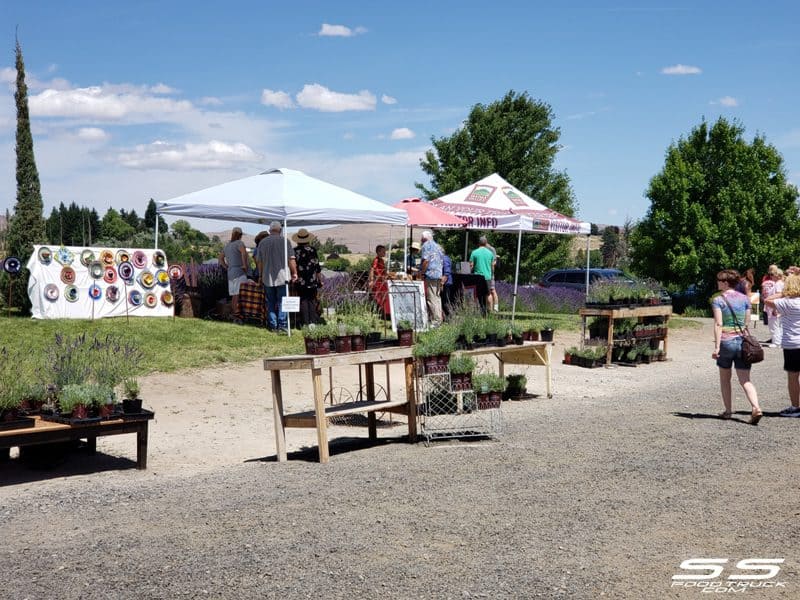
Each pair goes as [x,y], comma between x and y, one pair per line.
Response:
[340,445]
[740,416]
[52,461]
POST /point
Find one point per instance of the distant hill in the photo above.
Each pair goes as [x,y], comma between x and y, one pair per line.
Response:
[359,238]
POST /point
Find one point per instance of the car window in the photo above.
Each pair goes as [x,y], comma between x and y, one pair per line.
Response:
[557,277]
[575,277]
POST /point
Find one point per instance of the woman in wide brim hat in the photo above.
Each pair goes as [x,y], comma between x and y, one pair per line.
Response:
[309,276]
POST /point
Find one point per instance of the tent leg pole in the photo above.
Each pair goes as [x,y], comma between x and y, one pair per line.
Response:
[588,261]
[155,243]
[516,278]
[466,245]
[288,278]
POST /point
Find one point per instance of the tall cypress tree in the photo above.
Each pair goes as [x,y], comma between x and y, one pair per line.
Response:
[27,223]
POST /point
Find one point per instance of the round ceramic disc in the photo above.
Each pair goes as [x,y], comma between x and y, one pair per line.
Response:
[109,274]
[162,278]
[125,270]
[68,275]
[71,293]
[107,257]
[150,300]
[147,279]
[135,298]
[123,256]
[45,255]
[175,272]
[95,293]
[167,299]
[87,257]
[112,294]
[12,265]
[139,259]
[159,258]
[96,270]
[51,292]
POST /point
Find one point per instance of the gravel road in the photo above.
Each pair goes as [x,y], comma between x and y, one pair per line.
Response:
[601,491]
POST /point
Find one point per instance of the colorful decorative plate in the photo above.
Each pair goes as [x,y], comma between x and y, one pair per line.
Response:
[87,257]
[64,257]
[162,278]
[71,293]
[150,300]
[107,257]
[125,270]
[68,275]
[45,256]
[147,279]
[123,256]
[112,294]
[175,272]
[135,298]
[139,259]
[167,299]
[95,293]
[109,274]
[51,292]
[12,265]
[96,270]
[159,258]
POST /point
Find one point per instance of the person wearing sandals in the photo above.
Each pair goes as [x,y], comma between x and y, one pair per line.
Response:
[772,286]
[729,308]
[787,304]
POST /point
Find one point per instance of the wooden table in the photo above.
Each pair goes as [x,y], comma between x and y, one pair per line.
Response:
[318,416]
[624,312]
[47,432]
[529,353]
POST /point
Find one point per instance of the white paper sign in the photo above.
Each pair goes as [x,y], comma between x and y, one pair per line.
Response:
[290,304]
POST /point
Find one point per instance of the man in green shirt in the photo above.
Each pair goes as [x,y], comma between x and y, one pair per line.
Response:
[482,259]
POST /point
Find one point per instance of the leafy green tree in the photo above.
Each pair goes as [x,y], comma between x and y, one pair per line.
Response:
[26,226]
[114,228]
[719,202]
[329,246]
[612,247]
[515,138]
[150,218]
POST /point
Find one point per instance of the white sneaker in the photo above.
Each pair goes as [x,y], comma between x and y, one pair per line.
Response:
[496,308]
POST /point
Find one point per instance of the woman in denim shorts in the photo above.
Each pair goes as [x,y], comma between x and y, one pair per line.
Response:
[729,308]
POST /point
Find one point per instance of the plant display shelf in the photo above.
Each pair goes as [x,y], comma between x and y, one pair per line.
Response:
[612,314]
[452,414]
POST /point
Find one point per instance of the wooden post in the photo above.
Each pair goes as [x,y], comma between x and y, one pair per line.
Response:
[277,410]
[319,413]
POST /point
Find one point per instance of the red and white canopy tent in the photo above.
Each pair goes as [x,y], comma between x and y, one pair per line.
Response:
[493,203]
[424,214]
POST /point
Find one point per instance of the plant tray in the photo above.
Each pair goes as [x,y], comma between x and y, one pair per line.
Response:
[70,420]
[144,413]
[382,344]
[18,423]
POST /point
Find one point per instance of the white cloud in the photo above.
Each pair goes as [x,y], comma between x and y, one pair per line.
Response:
[318,97]
[680,69]
[98,103]
[162,88]
[728,101]
[187,157]
[92,134]
[339,31]
[210,101]
[8,75]
[348,136]
[388,99]
[278,99]
[402,133]
[578,116]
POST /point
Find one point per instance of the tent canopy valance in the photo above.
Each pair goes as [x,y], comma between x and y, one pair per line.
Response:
[283,195]
[493,203]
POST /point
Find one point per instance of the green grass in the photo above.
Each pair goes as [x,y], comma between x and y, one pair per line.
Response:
[168,344]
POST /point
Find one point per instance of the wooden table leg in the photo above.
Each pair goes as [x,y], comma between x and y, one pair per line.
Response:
[91,445]
[319,413]
[411,399]
[277,416]
[141,446]
[548,370]
[610,338]
[372,421]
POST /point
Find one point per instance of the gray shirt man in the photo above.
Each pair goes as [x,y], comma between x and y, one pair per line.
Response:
[271,256]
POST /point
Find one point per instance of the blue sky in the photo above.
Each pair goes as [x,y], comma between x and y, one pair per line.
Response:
[133,100]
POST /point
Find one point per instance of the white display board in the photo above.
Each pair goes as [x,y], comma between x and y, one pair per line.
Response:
[79,282]
[407,302]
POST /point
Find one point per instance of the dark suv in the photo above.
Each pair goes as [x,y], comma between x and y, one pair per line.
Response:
[576,278]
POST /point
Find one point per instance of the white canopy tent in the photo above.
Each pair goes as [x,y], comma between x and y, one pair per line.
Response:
[284,195]
[492,203]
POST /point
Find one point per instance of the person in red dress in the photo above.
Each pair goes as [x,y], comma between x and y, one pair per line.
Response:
[377,280]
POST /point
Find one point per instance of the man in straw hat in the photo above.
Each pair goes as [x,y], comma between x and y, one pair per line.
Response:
[234,258]
[309,276]
[271,256]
